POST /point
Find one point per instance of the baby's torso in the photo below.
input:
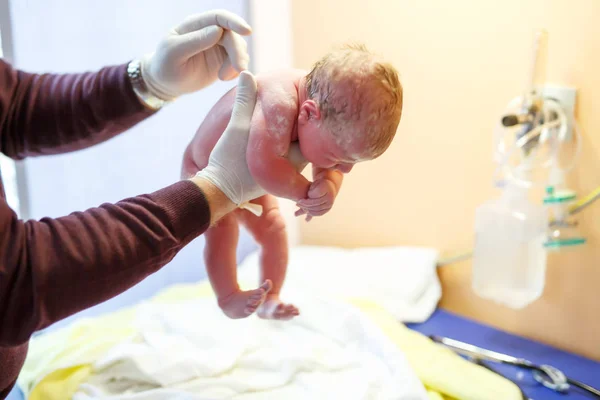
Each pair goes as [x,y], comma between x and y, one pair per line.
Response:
[276,106]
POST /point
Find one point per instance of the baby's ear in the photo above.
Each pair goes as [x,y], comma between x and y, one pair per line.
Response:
[308,110]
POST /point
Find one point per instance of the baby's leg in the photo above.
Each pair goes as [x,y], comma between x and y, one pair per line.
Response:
[269,232]
[221,266]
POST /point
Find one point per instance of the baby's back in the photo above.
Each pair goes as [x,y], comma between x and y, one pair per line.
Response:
[277,100]
[275,113]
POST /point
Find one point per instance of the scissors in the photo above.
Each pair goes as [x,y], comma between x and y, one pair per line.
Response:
[549,376]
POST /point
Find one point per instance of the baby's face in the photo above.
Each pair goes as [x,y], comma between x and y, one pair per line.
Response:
[319,147]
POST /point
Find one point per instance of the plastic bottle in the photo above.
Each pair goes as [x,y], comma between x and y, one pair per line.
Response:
[509,259]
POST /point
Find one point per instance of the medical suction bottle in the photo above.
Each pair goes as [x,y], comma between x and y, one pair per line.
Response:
[509,259]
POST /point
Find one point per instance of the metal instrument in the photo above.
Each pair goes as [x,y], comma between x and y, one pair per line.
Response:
[547,375]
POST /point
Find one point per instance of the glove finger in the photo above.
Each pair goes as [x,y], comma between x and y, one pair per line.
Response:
[227,72]
[245,100]
[222,18]
[188,45]
[237,50]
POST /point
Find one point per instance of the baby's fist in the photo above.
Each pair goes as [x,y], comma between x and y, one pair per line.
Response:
[321,196]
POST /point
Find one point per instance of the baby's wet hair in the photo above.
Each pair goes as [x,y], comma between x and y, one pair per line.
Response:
[358,94]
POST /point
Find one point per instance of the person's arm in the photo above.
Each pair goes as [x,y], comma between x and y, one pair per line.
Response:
[50,114]
[53,268]
[218,203]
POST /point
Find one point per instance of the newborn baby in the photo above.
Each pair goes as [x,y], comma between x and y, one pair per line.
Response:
[344,111]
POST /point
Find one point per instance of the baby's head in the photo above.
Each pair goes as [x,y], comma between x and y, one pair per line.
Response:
[352,110]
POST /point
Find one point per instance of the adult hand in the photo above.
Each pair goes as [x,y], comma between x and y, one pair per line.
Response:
[192,55]
[227,167]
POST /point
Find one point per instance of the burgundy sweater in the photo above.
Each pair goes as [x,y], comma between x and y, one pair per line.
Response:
[53,268]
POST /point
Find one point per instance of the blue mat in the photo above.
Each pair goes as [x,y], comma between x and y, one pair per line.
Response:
[444,323]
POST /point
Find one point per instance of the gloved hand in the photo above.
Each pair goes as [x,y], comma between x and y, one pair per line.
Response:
[205,46]
[227,168]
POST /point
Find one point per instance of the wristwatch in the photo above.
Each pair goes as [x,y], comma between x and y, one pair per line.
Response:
[134,71]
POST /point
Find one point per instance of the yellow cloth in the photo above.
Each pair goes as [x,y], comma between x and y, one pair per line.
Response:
[439,368]
[60,361]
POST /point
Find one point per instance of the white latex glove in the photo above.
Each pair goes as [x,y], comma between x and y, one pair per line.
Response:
[205,46]
[227,168]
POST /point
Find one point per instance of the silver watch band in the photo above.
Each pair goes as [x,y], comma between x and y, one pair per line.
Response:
[134,71]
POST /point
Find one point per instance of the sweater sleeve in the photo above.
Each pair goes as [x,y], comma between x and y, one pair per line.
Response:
[52,268]
[51,114]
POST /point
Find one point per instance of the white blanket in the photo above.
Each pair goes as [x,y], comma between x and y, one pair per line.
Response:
[402,280]
[189,350]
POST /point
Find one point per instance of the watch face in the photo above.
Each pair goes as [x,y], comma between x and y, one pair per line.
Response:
[134,70]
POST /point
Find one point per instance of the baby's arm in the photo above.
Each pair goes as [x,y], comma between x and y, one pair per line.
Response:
[268,162]
[332,175]
[322,192]
[266,154]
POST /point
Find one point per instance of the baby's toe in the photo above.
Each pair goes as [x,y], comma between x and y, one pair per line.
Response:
[266,286]
[251,303]
[257,296]
[250,308]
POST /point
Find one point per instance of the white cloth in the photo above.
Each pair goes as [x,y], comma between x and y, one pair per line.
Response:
[190,350]
[403,280]
[255,209]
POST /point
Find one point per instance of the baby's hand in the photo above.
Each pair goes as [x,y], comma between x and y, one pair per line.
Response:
[321,196]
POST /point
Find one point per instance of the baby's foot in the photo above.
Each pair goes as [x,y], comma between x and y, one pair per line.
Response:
[273,308]
[241,304]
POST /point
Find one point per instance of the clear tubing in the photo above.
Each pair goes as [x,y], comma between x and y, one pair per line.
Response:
[502,153]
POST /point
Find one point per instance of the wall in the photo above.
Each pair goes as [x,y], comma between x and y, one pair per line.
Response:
[461,61]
